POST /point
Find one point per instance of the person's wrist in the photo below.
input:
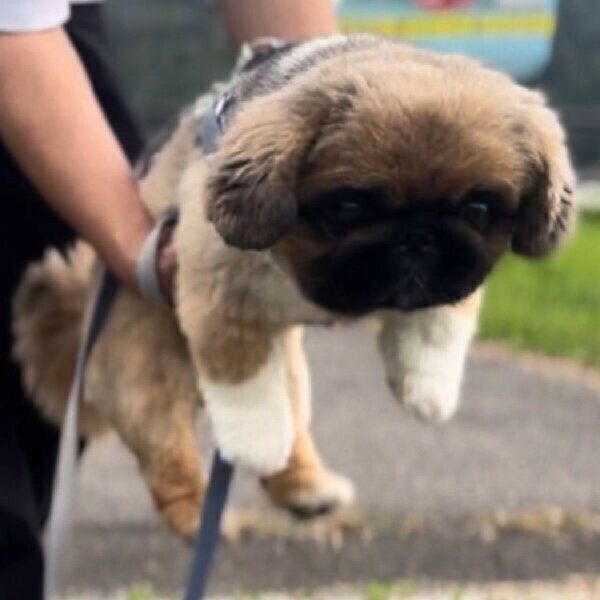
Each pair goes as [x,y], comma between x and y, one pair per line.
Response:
[126,266]
[126,250]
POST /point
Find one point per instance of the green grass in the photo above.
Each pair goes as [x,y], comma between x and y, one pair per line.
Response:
[459,593]
[551,306]
[378,590]
[140,592]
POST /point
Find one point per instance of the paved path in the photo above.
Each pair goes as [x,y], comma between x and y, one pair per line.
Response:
[521,440]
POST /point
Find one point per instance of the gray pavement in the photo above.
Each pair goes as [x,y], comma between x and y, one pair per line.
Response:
[521,440]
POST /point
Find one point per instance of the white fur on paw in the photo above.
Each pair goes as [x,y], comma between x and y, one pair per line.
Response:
[430,397]
[424,355]
[335,491]
[252,420]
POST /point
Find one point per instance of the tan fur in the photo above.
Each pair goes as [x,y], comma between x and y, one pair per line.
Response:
[47,319]
[471,304]
[378,117]
[365,120]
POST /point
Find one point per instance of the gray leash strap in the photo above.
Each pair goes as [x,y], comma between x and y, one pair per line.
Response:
[59,522]
[208,537]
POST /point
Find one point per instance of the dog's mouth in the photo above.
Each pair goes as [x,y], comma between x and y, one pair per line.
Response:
[416,269]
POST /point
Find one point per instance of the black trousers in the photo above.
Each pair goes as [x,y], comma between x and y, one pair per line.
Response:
[28,445]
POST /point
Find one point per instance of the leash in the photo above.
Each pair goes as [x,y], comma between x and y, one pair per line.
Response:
[59,523]
[221,473]
[210,527]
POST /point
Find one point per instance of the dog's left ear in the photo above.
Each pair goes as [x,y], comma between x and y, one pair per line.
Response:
[547,211]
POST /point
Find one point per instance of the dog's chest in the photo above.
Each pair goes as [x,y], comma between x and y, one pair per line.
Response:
[253,288]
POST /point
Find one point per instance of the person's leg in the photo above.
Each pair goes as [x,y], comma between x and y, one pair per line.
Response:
[28,444]
[20,552]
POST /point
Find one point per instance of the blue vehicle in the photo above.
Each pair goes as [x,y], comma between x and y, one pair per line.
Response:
[513,35]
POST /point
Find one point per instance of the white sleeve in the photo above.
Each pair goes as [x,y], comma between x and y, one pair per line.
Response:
[32,15]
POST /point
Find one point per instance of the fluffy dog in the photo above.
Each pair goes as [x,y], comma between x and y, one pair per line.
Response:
[355,176]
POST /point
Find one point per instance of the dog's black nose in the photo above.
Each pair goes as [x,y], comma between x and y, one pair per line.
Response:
[414,239]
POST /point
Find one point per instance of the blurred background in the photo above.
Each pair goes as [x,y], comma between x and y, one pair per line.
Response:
[170,50]
[509,491]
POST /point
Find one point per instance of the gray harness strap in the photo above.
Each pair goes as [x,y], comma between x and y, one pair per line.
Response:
[213,123]
[147,276]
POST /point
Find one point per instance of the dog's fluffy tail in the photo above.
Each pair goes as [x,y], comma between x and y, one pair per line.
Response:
[48,310]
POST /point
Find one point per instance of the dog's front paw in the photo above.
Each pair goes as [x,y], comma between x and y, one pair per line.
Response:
[424,356]
[252,419]
[429,396]
[256,441]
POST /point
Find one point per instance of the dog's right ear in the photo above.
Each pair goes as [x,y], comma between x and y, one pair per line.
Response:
[251,189]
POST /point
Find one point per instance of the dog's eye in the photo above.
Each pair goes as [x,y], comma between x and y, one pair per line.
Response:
[348,210]
[483,209]
[339,211]
[342,216]
[477,214]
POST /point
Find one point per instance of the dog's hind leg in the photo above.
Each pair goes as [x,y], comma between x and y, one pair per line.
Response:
[169,460]
[141,380]
[305,487]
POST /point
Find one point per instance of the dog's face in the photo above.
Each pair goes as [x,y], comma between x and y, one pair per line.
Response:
[394,180]
[354,250]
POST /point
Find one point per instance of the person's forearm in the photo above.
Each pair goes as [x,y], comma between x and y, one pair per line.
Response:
[289,19]
[53,125]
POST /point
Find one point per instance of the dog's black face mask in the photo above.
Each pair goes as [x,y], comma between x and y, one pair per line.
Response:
[374,255]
